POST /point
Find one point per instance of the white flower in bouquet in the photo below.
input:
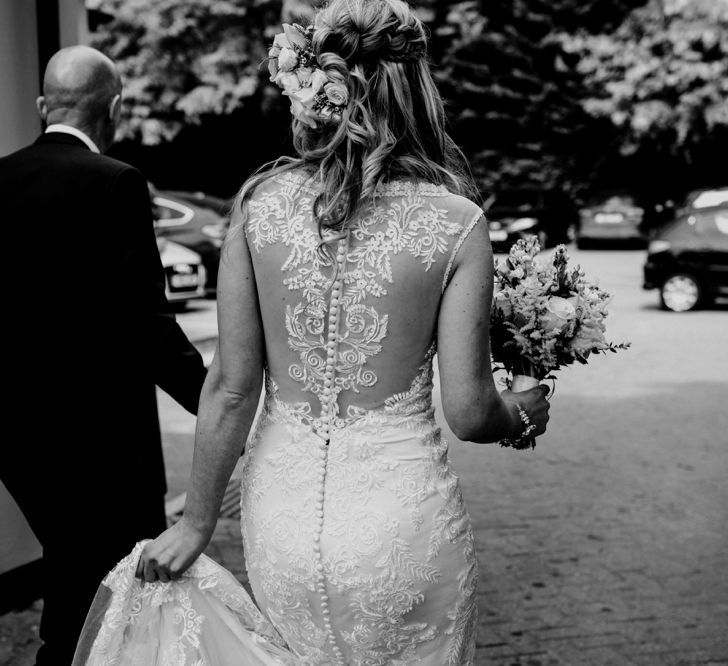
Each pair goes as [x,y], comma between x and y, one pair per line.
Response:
[587,338]
[560,313]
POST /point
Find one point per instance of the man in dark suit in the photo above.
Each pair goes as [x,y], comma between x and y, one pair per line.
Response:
[92,336]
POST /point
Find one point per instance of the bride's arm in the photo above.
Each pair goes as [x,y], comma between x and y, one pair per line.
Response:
[231,393]
[473,407]
[228,404]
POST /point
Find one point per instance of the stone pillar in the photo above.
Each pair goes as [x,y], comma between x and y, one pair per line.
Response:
[72,23]
[19,122]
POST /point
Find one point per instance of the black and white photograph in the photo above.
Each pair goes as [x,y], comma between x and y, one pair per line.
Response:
[364,333]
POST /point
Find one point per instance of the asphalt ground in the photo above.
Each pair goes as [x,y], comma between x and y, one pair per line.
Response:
[607,544]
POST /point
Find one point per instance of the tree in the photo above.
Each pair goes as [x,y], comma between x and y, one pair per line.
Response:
[514,104]
[660,81]
[183,60]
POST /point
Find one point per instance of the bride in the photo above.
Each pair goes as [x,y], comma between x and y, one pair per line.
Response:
[346,268]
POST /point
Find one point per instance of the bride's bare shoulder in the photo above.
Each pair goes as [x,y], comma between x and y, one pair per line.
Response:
[463,205]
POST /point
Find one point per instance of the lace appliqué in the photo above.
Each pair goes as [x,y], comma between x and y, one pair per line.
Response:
[408,409]
[394,188]
[395,526]
[414,224]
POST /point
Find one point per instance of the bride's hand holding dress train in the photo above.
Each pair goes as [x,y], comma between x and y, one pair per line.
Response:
[228,402]
[172,552]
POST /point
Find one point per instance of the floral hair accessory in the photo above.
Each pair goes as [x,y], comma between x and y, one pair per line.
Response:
[294,68]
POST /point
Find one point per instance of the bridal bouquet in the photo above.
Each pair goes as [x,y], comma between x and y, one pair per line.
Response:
[546,315]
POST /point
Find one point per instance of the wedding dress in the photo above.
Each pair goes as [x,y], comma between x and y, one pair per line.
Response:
[358,544]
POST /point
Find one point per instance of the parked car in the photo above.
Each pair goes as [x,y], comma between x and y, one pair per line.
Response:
[220,205]
[614,216]
[192,225]
[688,259]
[185,274]
[517,213]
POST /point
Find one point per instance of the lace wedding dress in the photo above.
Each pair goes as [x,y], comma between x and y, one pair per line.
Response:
[358,545]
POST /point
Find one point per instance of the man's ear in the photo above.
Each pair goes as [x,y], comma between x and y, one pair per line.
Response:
[115,109]
[42,107]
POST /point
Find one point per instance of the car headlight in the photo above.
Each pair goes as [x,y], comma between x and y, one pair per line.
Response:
[523,223]
[215,232]
[657,246]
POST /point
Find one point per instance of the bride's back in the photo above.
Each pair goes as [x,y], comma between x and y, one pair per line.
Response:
[352,240]
[354,330]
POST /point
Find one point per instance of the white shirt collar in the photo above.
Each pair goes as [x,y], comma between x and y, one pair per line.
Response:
[67,129]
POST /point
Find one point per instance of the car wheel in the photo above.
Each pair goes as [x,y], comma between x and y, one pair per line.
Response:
[681,292]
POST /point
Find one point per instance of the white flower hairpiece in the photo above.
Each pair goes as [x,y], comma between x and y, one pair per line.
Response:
[294,68]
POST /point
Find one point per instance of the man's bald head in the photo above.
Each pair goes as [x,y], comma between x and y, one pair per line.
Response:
[80,87]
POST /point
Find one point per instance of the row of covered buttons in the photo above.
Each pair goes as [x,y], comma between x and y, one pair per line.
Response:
[324,430]
[328,393]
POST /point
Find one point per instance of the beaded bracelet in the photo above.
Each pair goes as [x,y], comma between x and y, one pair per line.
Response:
[524,441]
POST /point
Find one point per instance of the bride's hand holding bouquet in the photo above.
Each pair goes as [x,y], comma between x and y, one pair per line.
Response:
[546,315]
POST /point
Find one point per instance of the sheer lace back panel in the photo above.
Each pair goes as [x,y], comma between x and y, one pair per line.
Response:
[355,334]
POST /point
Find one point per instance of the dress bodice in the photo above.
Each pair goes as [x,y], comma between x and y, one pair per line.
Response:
[352,330]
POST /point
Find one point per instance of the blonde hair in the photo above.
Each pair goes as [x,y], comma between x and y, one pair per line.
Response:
[394,123]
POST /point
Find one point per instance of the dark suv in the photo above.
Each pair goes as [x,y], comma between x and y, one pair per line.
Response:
[515,213]
[688,259]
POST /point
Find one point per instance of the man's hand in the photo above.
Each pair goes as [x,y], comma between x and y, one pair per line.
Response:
[171,553]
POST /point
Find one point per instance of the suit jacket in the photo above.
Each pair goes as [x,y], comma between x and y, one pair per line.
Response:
[91,336]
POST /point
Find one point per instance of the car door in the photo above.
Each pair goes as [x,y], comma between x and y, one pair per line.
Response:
[714,247]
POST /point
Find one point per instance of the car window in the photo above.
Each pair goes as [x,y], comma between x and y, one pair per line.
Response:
[710,198]
[163,212]
[613,201]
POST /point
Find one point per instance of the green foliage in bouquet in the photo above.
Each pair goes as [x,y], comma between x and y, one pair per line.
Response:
[546,314]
